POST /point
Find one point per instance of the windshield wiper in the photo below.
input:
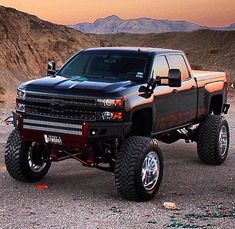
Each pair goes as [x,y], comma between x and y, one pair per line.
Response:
[74,78]
[102,77]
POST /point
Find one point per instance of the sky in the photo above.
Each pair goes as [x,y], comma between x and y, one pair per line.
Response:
[204,12]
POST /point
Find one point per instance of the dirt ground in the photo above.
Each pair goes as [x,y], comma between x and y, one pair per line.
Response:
[79,197]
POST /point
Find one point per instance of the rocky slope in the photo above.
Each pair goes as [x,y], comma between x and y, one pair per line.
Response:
[114,24]
[26,42]
[205,49]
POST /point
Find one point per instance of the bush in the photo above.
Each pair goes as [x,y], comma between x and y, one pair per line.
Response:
[2,90]
[213,51]
[196,66]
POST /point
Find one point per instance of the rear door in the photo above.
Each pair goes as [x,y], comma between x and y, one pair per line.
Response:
[174,106]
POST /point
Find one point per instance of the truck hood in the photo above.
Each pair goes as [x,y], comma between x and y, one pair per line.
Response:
[64,85]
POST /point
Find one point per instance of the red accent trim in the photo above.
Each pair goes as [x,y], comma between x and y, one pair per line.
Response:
[20,122]
[69,141]
[84,133]
[54,154]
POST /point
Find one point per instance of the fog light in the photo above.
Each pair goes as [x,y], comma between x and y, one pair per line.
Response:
[107,115]
[20,107]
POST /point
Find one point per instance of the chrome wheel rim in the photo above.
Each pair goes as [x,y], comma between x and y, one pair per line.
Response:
[150,170]
[35,166]
[223,141]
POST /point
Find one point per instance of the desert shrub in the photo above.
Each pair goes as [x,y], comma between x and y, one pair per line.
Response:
[213,51]
[2,90]
[196,66]
[105,43]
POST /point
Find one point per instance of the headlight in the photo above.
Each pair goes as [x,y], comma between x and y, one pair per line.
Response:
[20,94]
[110,102]
[107,115]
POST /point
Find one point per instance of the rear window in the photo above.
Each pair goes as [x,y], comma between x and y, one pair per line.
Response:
[177,61]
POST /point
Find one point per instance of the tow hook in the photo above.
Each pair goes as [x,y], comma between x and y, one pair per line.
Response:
[226,108]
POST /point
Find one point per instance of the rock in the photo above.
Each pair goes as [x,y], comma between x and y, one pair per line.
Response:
[152,221]
[170,206]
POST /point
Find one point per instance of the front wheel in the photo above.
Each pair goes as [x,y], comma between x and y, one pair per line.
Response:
[25,161]
[213,140]
[139,169]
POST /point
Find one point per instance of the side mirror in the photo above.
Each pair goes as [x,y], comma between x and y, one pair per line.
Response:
[174,78]
[51,68]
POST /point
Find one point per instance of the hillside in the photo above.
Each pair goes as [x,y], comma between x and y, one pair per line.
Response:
[115,24]
[26,42]
[206,49]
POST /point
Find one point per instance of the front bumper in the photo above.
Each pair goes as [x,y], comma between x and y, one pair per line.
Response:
[73,134]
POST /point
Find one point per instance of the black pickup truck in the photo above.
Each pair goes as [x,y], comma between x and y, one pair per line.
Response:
[108,107]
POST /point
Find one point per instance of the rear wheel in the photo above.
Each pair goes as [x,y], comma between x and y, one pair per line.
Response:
[213,140]
[25,161]
[139,168]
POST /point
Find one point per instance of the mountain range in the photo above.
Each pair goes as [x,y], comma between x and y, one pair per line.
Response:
[115,24]
[230,27]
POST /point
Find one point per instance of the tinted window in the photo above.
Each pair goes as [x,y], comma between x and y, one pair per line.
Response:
[102,64]
[160,67]
[178,62]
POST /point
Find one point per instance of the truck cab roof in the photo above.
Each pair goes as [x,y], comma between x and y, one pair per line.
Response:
[148,50]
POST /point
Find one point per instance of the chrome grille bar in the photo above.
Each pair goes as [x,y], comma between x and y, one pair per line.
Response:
[48,123]
[56,127]
[52,130]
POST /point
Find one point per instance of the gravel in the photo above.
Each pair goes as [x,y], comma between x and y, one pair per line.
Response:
[80,197]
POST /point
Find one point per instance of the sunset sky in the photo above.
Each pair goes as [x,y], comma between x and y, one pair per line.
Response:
[205,12]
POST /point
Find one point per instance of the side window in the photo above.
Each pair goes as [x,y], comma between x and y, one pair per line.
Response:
[177,61]
[160,66]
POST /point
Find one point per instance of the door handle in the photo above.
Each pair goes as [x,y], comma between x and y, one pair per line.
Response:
[193,87]
[175,91]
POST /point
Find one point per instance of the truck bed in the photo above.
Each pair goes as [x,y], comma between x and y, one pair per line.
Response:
[209,76]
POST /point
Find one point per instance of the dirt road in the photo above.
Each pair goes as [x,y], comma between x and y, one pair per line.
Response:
[80,197]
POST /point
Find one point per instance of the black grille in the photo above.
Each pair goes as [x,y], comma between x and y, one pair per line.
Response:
[67,100]
[61,106]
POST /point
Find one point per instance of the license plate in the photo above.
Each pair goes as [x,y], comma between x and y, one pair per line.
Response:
[53,139]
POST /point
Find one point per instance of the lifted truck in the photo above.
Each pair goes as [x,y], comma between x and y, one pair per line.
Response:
[107,107]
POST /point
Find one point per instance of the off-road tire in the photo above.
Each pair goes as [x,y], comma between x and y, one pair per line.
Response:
[129,162]
[16,160]
[208,140]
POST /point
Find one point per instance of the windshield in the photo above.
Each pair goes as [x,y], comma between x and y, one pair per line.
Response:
[104,64]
